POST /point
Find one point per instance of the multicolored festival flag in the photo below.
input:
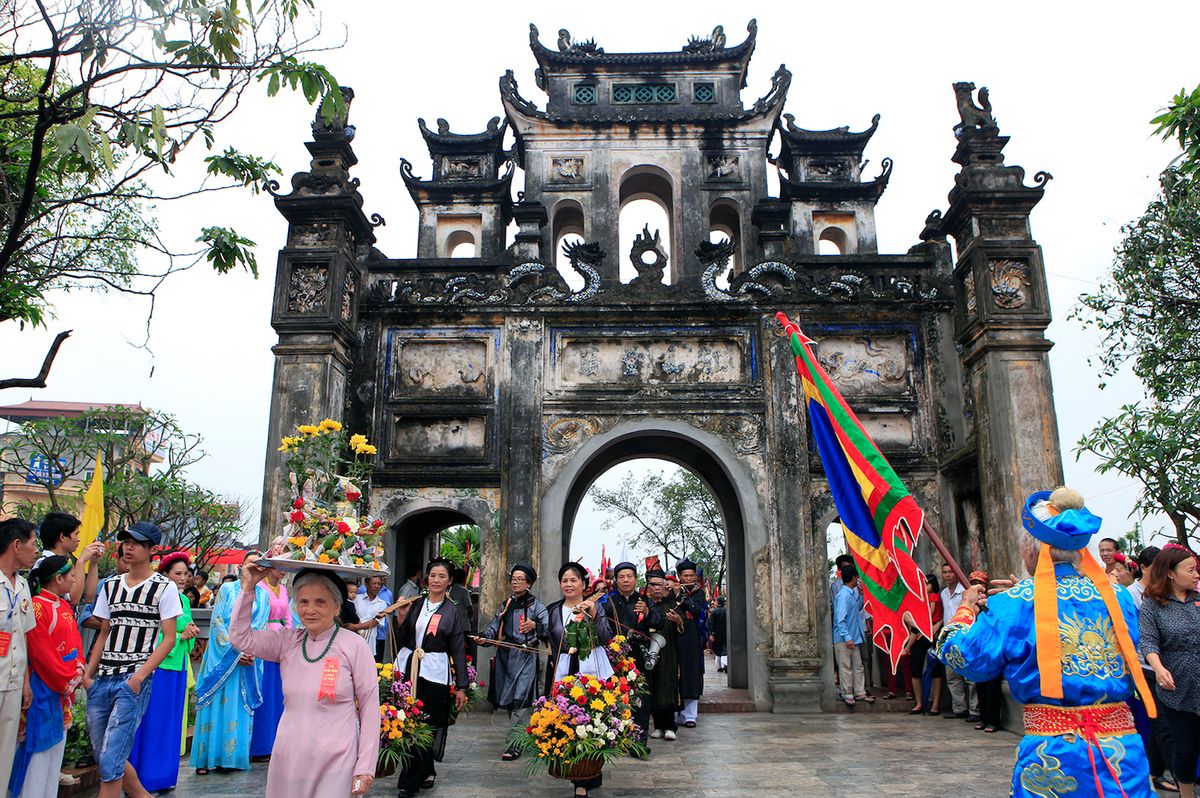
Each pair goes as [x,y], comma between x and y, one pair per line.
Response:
[879,517]
[93,508]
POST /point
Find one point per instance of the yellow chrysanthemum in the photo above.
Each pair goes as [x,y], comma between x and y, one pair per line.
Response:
[366,448]
[356,441]
[307,429]
[596,704]
[576,692]
[329,425]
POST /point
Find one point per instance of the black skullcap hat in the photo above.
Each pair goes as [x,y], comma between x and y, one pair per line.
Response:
[656,573]
[684,565]
[624,566]
[530,574]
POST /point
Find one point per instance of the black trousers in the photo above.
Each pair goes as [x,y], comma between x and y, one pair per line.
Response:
[641,716]
[1160,748]
[436,700]
[1185,734]
[664,720]
[991,702]
[379,647]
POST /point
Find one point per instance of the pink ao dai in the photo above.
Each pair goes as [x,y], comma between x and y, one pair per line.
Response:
[321,745]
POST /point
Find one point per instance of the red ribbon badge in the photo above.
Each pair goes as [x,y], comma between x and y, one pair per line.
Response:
[329,677]
[432,628]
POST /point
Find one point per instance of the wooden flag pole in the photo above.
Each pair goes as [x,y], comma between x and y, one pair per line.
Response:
[940,545]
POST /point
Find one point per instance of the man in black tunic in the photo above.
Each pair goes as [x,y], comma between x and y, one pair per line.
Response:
[693,605]
[633,614]
[664,698]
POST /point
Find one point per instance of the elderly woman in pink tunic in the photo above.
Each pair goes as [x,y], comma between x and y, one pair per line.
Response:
[328,738]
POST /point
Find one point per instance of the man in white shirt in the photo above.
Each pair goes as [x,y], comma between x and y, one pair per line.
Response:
[368,605]
[18,550]
[964,699]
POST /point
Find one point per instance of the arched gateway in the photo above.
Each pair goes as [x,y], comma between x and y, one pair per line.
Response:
[497,391]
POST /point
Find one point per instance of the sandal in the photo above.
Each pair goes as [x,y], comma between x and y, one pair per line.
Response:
[201,771]
[990,729]
[917,711]
[979,726]
[890,694]
[429,783]
[1165,784]
[510,755]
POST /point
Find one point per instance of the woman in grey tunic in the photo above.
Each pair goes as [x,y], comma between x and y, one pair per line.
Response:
[521,620]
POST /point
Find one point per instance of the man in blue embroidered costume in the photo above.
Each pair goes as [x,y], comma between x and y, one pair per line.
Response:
[1066,643]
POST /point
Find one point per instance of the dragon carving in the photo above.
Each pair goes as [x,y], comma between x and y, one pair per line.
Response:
[545,284]
[650,274]
[765,279]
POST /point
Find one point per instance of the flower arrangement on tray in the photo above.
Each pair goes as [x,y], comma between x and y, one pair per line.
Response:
[583,723]
[402,726]
[326,467]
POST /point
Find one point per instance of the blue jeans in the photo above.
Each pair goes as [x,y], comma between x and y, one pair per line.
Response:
[114,712]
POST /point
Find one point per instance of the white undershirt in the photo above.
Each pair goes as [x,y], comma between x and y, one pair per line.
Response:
[595,664]
[435,667]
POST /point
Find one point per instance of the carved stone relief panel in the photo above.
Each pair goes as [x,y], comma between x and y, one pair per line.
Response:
[971,299]
[1003,227]
[743,431]
[441,366]
[320,235]
[568,170]
[439,438]
[588,360]
[1010,282]
[828,169]
[724,167]
[564,434]
[868,365]
[461,168]
[306,291]
[348,298]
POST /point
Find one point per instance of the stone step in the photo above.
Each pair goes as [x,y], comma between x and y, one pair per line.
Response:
[881,705]
[725,700]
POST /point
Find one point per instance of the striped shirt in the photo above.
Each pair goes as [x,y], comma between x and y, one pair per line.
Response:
[134,614]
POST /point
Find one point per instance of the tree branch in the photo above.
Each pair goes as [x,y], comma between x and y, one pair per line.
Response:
[40,380]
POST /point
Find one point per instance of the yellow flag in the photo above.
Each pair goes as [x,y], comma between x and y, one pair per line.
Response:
[93,509]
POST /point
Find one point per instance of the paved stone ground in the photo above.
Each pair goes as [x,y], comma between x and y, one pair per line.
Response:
[759,754]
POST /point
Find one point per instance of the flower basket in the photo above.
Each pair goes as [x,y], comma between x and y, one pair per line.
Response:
[582,724]
[403,729]
[583,770]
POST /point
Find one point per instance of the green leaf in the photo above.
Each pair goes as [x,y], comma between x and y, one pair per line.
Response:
[158,126]
[227,250]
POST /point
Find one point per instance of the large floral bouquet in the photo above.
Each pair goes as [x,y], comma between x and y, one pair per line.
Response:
[402,726]
[326,468]
[584,720]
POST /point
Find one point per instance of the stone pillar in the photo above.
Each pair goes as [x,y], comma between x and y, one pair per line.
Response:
[1001,316]
[521,425]
[795,566]
[318,283]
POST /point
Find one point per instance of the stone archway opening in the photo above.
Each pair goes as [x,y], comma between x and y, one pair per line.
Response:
[666,446]
[416,538]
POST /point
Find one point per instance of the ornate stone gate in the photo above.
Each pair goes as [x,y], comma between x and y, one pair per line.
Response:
[498,390]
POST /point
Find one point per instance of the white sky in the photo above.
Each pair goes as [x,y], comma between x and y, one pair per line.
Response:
[1073,85]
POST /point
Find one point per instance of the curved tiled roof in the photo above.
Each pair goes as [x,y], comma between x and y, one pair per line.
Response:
[684,57]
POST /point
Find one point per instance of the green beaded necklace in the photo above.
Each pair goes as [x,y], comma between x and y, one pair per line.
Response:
[321,656]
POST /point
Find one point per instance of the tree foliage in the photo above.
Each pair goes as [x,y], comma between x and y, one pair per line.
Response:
[145,455]
[676,515]
[1147,311]
[98,100]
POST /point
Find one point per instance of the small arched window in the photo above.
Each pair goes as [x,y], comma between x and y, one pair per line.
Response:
[832,241]
[461,244]
[567,227]
[647,202]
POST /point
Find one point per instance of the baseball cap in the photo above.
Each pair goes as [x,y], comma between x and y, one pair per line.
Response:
[142,531]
